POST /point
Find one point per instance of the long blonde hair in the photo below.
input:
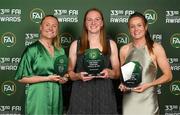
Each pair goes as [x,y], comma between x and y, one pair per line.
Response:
[56,40]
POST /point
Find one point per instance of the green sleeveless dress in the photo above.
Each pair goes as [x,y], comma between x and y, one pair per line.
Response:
[145,103]
[43,98]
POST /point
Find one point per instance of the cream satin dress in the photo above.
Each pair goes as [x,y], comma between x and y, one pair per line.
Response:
[145,103]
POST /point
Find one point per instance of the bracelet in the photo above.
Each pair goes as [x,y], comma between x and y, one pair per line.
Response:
[67,76]
[65,79]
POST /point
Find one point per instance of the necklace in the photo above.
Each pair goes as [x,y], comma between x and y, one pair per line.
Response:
[49,47]
[46,44]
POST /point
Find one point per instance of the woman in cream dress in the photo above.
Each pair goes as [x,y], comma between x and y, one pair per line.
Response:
[142,100]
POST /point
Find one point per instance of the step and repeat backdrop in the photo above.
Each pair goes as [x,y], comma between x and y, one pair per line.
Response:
[19,27]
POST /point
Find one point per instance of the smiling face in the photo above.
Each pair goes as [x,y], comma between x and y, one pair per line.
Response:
[137,27]
[93,22]
[49,28]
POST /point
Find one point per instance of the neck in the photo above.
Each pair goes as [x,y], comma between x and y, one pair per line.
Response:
[94,42]
[93,38]
[47,43]
[139,42]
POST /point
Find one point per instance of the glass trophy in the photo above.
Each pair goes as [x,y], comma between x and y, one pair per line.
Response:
[60,65]
[132,74]
[93,62]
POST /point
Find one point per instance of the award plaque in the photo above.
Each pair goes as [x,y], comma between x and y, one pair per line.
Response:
[132,74]
[60,65]
[93,62]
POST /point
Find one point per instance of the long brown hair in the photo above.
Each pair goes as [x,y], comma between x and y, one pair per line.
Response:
[56,40]
[84,43]
[149,41]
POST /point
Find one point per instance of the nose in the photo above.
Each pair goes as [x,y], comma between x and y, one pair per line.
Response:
[93,21]
[135,28]
[50,27]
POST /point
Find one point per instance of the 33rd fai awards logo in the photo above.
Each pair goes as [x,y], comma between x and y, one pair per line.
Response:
[8,39]
[8,88]
[175,87]
[36,15]
[122,39]
[175,40]
[66,39]
[151,16]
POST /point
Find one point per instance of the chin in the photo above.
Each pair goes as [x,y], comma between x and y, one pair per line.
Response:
[50,37]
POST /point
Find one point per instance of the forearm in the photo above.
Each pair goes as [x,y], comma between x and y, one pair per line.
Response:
[161,80]
[113,73]
[74,76]
[34,79]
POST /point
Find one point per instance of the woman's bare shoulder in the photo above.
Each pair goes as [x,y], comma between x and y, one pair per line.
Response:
[157,48]
[125,48]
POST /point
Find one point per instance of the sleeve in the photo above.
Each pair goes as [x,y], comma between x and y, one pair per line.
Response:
[62,51]
[25,65]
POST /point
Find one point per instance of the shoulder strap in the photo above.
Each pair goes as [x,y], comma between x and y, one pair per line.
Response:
[109,45]
[78,46]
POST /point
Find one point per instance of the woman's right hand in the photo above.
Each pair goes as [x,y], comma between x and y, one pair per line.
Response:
[123,88]
[53,78]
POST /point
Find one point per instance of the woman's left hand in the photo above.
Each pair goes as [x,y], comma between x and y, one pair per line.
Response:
[104,74]
[141,88]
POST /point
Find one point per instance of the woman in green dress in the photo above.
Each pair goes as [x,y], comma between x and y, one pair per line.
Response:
[37,71]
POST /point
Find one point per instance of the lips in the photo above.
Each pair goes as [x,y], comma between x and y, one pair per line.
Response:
[50,32]
[93,27]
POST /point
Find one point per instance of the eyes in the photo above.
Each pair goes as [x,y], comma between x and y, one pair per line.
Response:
[131,26]
[95,20]
[51,25]
[136,22]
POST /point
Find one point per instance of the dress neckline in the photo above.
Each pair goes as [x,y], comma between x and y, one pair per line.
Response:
[51,55]
[139,47]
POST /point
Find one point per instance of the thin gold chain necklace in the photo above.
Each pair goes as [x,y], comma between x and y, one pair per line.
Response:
[46,44]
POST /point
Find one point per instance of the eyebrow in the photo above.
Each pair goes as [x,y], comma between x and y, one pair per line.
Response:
[94,18]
